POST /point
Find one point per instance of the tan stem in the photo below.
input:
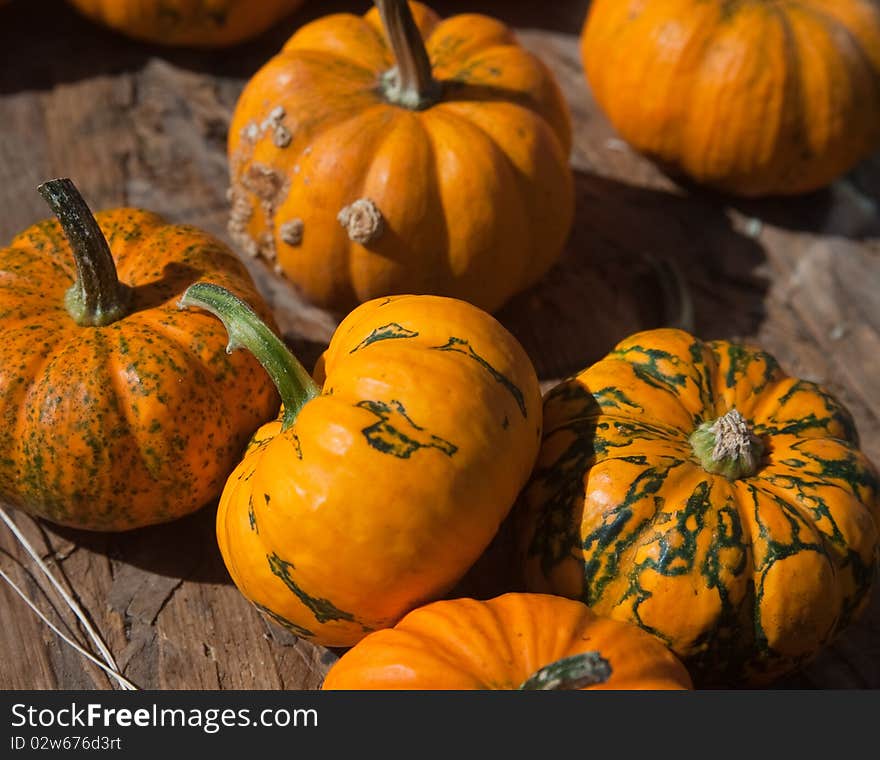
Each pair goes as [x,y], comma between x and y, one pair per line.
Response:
[727,446]
[411,82]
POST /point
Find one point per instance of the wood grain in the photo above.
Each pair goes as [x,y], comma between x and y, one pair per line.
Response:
[135,124]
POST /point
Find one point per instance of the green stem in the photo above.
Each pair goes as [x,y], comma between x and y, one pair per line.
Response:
[97,297]
[727,446]
[247,330]
[570,673]
[411,82]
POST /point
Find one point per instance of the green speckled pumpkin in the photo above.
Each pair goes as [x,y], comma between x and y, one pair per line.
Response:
[695,489]
[117,410]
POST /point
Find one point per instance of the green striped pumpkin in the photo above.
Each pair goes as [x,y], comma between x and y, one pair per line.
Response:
[695,489]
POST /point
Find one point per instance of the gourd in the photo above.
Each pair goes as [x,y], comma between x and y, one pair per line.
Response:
[188,23]
[754,98]
[117,410]
[398,153]
[387,476]
[514,641]
[695,489]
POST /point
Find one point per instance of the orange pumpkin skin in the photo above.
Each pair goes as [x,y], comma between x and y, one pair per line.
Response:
[745,578]
[136,422]
[390,483]
[473,195]
[754,98]
[188,23]
[464,644]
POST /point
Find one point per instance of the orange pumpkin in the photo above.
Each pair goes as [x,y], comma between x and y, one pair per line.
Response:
[189,23]
[116,410]
[515,641]
[754,98]
[377,491]
[695,489]
[366,162]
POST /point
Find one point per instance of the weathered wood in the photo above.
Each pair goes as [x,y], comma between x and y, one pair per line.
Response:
[135,124]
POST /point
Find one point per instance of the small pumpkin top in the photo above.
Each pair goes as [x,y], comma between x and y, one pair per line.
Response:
[379,488]
[401,153]
[116,410]
[754,97]
[188,23]
[695,489]
[514,641]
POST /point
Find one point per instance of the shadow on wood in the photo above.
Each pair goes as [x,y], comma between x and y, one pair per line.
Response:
[52,44]
[849,208]
[185,549]
[608,284]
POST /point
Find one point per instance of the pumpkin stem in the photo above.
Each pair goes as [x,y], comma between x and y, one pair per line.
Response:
[97,297]
[727,446]
[247,330]
[410,83]
[570,673]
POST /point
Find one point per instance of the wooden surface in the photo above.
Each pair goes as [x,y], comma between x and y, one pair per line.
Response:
[139,125]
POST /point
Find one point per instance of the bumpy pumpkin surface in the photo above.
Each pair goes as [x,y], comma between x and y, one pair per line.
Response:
[445,174]
[378,491]
[188,23]
[755,97]
[695,489]
[136,420]
[530,641]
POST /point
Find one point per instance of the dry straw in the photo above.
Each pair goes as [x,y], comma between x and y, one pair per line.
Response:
[109,663]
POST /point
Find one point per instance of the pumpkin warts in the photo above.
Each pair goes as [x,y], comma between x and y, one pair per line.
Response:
[292,232]
[363,221]
[365,128]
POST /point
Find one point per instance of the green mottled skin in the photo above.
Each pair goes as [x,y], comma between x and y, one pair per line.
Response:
[396,434]
[323,609]
[297,446]
[252,516]
[744,579]
[392,482]
[464,347]
[296,630]
[136,422]
[392,331]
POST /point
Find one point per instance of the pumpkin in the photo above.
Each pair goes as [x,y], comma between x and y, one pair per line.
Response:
[378,491]
[514,641]
[695,489]
[189,23]
[754,98]
[117,410]
[365,162]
